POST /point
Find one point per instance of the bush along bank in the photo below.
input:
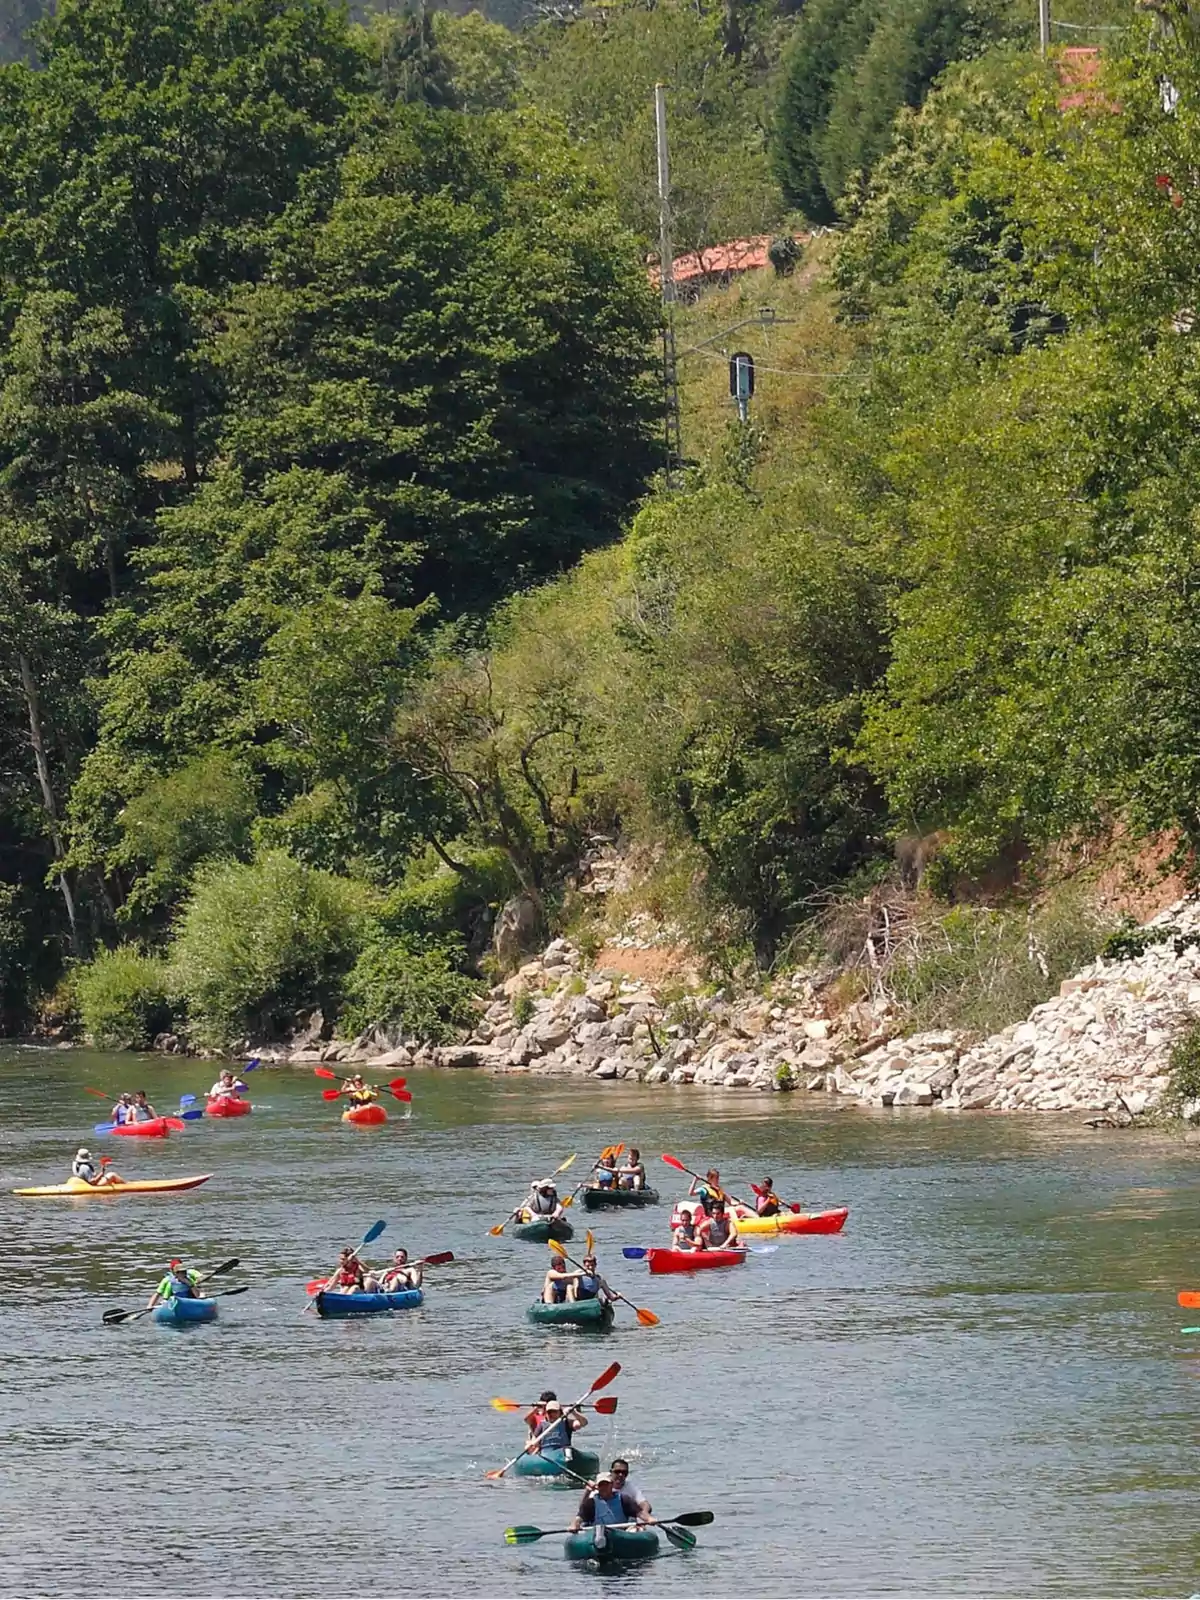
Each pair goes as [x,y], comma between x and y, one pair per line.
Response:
[1102,1044]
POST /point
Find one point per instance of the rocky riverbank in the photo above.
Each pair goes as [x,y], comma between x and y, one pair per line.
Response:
[1100,1045]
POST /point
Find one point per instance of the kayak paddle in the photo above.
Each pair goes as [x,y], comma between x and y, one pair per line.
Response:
[639,1252]
[438,1260]
[602,1382]
[646,1318]
[526,1534]
[174,1123]
[369,1237]
[396,1086]
[679,1167]
[604,1407]
[609,1150]
[562,1167]
[111,1318]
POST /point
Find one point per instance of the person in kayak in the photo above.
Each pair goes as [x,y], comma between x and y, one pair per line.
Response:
[683,1232]
[557,1282]
[401,1274]
[588,1284]
[710,1188]
[607,1506]
[557,1430]
[358,1092]
[542,1204]
[632,1174]
[143,1111]
[92,1172]
[766,1202]
[227,1087]
[178,1284]
[122,1112]
[606,1172]
[621,1483]
[347,1277]
[535,1420]
[716,1229]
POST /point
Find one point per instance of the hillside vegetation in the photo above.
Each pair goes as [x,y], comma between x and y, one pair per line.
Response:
[344,596]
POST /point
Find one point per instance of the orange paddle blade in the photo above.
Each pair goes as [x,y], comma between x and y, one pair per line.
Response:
[494,1473]
[497,1230]
[499,1404]
[1189,1297]
[646,1318]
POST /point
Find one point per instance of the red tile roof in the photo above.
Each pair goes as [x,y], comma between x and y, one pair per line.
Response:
[718,260]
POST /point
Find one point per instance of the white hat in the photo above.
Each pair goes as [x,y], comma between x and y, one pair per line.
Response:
[83,1151]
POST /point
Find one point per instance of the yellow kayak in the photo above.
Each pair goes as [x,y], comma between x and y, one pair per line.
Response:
[77,1186]
[794,1222]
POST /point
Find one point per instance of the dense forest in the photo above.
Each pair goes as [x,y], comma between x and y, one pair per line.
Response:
[343,594]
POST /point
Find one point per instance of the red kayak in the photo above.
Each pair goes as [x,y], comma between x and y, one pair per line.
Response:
[156,1128]
[365,1116]
[227,1105]
[666,1260]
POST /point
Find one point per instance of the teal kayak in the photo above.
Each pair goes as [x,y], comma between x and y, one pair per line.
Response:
[569,1466]
[597,1199]
[182,1313]
[607,1545]
[542,1232]
[573,1313]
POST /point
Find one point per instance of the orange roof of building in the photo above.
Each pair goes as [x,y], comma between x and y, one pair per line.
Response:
[738,255]
[1078,68]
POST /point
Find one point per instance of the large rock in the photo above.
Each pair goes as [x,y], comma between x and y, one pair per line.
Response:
[516,929]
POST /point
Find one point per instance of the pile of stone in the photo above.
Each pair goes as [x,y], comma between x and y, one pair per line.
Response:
[1101,1044]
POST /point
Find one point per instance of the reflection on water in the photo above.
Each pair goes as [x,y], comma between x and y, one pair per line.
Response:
[979,1388]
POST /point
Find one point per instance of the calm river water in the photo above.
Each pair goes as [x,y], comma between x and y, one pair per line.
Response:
[979,1388]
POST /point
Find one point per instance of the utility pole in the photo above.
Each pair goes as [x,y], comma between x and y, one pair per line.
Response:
[666,272]
[1044,24]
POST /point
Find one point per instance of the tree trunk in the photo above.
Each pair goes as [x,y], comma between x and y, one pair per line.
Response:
[37,741]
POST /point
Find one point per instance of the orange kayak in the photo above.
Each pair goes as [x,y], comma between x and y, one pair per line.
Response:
[365,1116]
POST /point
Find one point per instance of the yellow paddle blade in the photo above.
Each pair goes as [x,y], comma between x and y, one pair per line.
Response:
[500,1404]
[591,1242]
[569,1201]
[555,1248]
[567,1162]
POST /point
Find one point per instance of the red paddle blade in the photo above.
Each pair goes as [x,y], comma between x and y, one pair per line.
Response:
[99,1093]
[440,1259]
[402,1094]
[331,1094]
[397,1083]
[678,1165]
[313,1285]
[606,1405]
[606,1377]
[324,1072]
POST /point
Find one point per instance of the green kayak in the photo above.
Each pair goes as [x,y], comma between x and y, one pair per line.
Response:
[573,1313]
[616,1544]
[595,1199]
[542,1232]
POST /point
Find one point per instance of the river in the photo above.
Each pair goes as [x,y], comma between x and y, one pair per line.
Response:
[979,1388]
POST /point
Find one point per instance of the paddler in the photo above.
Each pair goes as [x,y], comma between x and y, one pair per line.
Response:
[716,1229]
[535,1420]
[621,1483]
[227,1087]
[122,1112]
[143,1111]
[542,1204]
[401,1274]
[347,1277]
[606,1171]
[766,1202]
[86,1168]
[588,1284]
[557,1430]
[557,1282]
[710,1188]
[632,1173]
[683,1231]
[179,1284]
[607,1506]
[358,1092]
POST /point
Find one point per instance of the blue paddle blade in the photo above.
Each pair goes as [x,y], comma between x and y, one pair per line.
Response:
[187,1099]
[251,1064]
[634,1252]
[374,1232]
[192,1115]
[104,1127]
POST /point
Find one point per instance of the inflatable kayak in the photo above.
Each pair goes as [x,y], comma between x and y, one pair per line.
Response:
[542,1232]
[666,1260]
[227,1105]
[367,1305]
[76,1186]
[573,1313]
[154,1128]
[569,1465]
[595,1199]
[365,1116]
[607,1545]
[179,1313]
[795,1222]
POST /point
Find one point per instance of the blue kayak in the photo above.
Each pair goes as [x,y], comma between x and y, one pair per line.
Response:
[367,1305]
[179,1313]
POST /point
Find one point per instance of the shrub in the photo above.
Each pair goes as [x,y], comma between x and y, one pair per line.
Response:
[399,983]
[784,253]
[122,998]
[522,1007]
[258,943]
[1183,1083]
